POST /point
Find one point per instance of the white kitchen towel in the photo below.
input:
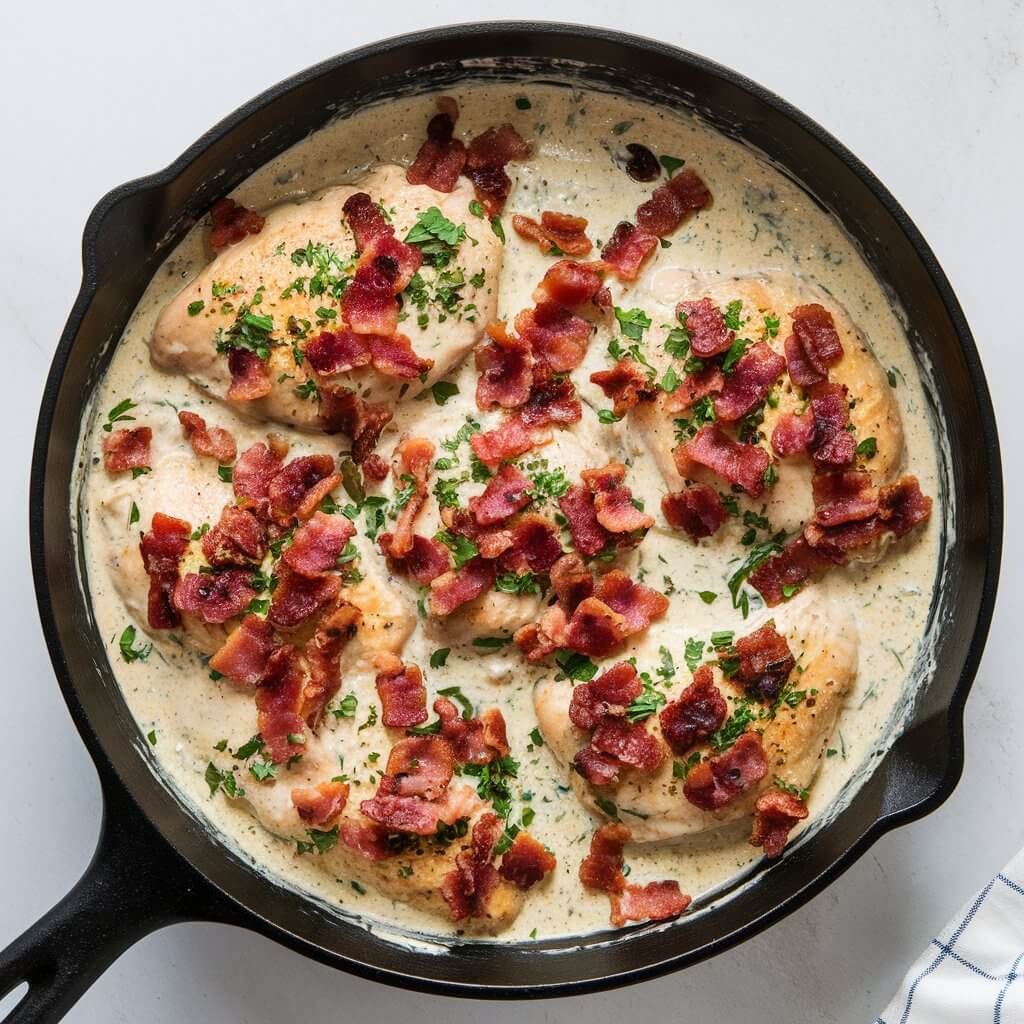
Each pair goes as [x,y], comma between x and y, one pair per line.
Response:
[974,970]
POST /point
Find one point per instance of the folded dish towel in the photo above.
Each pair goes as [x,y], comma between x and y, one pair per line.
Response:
[973,971]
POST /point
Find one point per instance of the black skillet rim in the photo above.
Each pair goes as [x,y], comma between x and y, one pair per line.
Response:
[941,787]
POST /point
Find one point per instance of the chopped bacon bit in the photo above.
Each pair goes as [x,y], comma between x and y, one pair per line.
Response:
[570,284]
[414,458]
[628,742]
[127,449]
[402,814]
[640,605]
[214,442]
[254,470]
[365,219]
[427,559]
[468,886]
[343,411]
[834,445]
[626,384]
[419,766]
[245,655]
[780,576]
[162,548]
[321,654]
[249,377]
[214,597]
[595,628]
[369,305]
[571,581]
[278,706]
[488,154]
[843,497]
[552,400]
[394,357]
[375,468]
[613,500]
[608,694]
[793,434]
[801,373]
[698,510]
[297,597]
[441,158]
[473,740]
[526,862]
[655,901]
[626,250]
[297,489]
[320,804]
[597,768]
[316,546]
[556,335]
[698,711]
[693,387]
[512,438]
[642,164]
[334,352]
[751,380]
[490,542]
[765,662]
[588,536]
[684,194]
[368,839]
[403,696]
[539,639]
[454,589]
[535,546]
[706,326]
[742,464]
[237,539]
[506,493]
[556,231]
[713,783]
[775,815]
[815,331]
[602,868]
[231,222]
[506,369]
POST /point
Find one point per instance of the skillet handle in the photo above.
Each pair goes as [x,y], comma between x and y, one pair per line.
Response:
[135,884]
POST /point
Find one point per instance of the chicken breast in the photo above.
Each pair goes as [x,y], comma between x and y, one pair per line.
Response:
[186,342]
[823,638]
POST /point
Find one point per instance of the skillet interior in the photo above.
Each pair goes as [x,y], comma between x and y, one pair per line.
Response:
[126,239]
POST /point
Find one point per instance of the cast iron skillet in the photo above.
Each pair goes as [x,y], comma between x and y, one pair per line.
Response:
[156,863]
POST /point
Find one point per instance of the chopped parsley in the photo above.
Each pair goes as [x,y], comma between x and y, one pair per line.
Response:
[513,583]
[442,390]
[632,322]
[577,667]
[119,414]
[347,706]
[195,308]
[439,658]
[129,651]
[670,163]
[868,447]
[462,548]
[498,230]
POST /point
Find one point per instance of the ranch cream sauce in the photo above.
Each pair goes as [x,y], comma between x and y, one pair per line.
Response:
[759,220]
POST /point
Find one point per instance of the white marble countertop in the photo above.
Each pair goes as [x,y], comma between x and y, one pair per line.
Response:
[929,95]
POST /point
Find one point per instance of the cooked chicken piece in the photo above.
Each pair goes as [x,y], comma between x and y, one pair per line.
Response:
[822,636]
[187,343]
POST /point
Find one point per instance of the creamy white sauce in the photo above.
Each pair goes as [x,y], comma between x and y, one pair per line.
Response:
[760,220]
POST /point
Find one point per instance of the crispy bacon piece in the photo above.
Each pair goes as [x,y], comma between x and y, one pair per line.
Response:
[488,154]
[245,656]
[279,703]
[780,576]
[834,445]
[588,536]
[343,411]
[321,654]
[695,386]
[507,492]
[297,489]
[419,766]
[556,335]
[491,541]
[556,231]
[628,742]
[613,500]
[570,284]
[473,740]
[249,377]
[775,815]
[456,588]
[638,604]
[571,581]
[413,459]
[369,305]
[627,249]
[642,164]
[375,468]
[368,839]
[595,629]
[750,381]
[626,385]
[334,352]
[552,401]
[402,814]
[427,559]
[607,695]
[713,783]
[254,470]
[127,449]
[297,597]
[655,901]
[765,662]
[366,220]
[601,869]
[801,372]
[505,365]
[706,326]
[214,597]
[742,464]
[468,886]
[597,768]
[162,548]
[512,438]
[526,861]
[403,697]
[698,712]
[815,332]
[697,510]
[316,545]
[793,433]
[320,804]
[843,497]
[535,546]
[539,639]
[684,194]
[214,442]
[394,357]
[237,539]
[441,158]
[230,222]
